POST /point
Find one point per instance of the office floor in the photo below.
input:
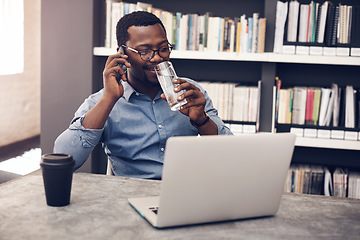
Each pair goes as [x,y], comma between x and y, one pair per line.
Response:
[19,159]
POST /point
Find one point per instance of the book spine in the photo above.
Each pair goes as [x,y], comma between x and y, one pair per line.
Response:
[335,26]
[250,34]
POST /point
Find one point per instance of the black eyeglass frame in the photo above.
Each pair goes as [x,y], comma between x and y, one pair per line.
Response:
[171,47]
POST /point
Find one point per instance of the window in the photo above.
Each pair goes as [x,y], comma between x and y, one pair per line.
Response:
[12,36]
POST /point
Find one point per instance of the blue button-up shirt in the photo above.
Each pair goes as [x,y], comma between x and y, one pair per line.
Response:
[134,134]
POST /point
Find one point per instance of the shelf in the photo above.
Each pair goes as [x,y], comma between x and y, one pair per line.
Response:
[327,143]
[313,59]
[225,56]
[257,57]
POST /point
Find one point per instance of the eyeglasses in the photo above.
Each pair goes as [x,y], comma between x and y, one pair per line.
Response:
[148,54]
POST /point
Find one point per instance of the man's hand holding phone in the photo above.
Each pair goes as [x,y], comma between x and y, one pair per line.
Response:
[115,71]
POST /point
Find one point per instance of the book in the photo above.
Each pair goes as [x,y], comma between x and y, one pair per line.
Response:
[299,105]
[335,26]
[322,22]
[108,23]
[340,177]
[250,34]
[316,106]
[201,33]
[330,107]
[214,34]
[303,22]
[284,115]
[310,22]
[177,30]
[293,18]
[226,35]
[317,22]
[255,36]
[342,19]
[206,29]
[232,35]
[350,107]
[354,184]
[183,32]
[167,19]
[336,110]
[243,34]
[221,35]
[329,26]
[261,35]
[280,19]
[277,101]
[309,106]
[259,89]
[324,105]
[238,35]
[253,104]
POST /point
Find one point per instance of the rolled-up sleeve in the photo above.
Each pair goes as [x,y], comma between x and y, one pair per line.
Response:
[77,140]
[213,114]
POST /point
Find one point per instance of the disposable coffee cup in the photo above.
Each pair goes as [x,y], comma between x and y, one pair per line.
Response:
[165,73]
[57,171]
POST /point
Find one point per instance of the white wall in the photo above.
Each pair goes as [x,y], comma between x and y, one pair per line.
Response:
[20,93]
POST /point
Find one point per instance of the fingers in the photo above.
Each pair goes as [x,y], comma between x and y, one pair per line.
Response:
[192,93]
[117,59]
[116,66]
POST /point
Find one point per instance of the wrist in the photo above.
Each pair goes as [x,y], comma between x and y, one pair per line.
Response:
[109,98]
[202,122]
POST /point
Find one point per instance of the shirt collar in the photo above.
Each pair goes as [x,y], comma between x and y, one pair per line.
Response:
[129,90]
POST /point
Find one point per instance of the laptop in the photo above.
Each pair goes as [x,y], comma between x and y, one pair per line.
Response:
[219,178]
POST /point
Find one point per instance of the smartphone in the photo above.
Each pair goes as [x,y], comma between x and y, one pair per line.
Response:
[118,76]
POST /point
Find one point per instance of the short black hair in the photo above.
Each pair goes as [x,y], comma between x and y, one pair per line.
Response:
[138,18]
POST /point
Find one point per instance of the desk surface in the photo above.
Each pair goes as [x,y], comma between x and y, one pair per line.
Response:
[99,210]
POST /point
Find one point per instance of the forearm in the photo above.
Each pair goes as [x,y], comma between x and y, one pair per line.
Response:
[96,117]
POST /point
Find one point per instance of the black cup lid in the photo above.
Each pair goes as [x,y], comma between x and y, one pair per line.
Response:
[56,158]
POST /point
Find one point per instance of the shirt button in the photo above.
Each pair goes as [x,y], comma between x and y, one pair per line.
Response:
[160,126]
[162,149]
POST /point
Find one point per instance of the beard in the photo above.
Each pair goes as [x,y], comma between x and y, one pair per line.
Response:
[146,77]
[150,79]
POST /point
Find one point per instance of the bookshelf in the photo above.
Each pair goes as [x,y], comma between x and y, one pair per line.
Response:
[305,70]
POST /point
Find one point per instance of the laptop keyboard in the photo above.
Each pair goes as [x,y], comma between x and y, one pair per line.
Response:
[154,209]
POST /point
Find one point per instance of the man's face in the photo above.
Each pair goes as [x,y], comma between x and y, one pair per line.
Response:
[142,38]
